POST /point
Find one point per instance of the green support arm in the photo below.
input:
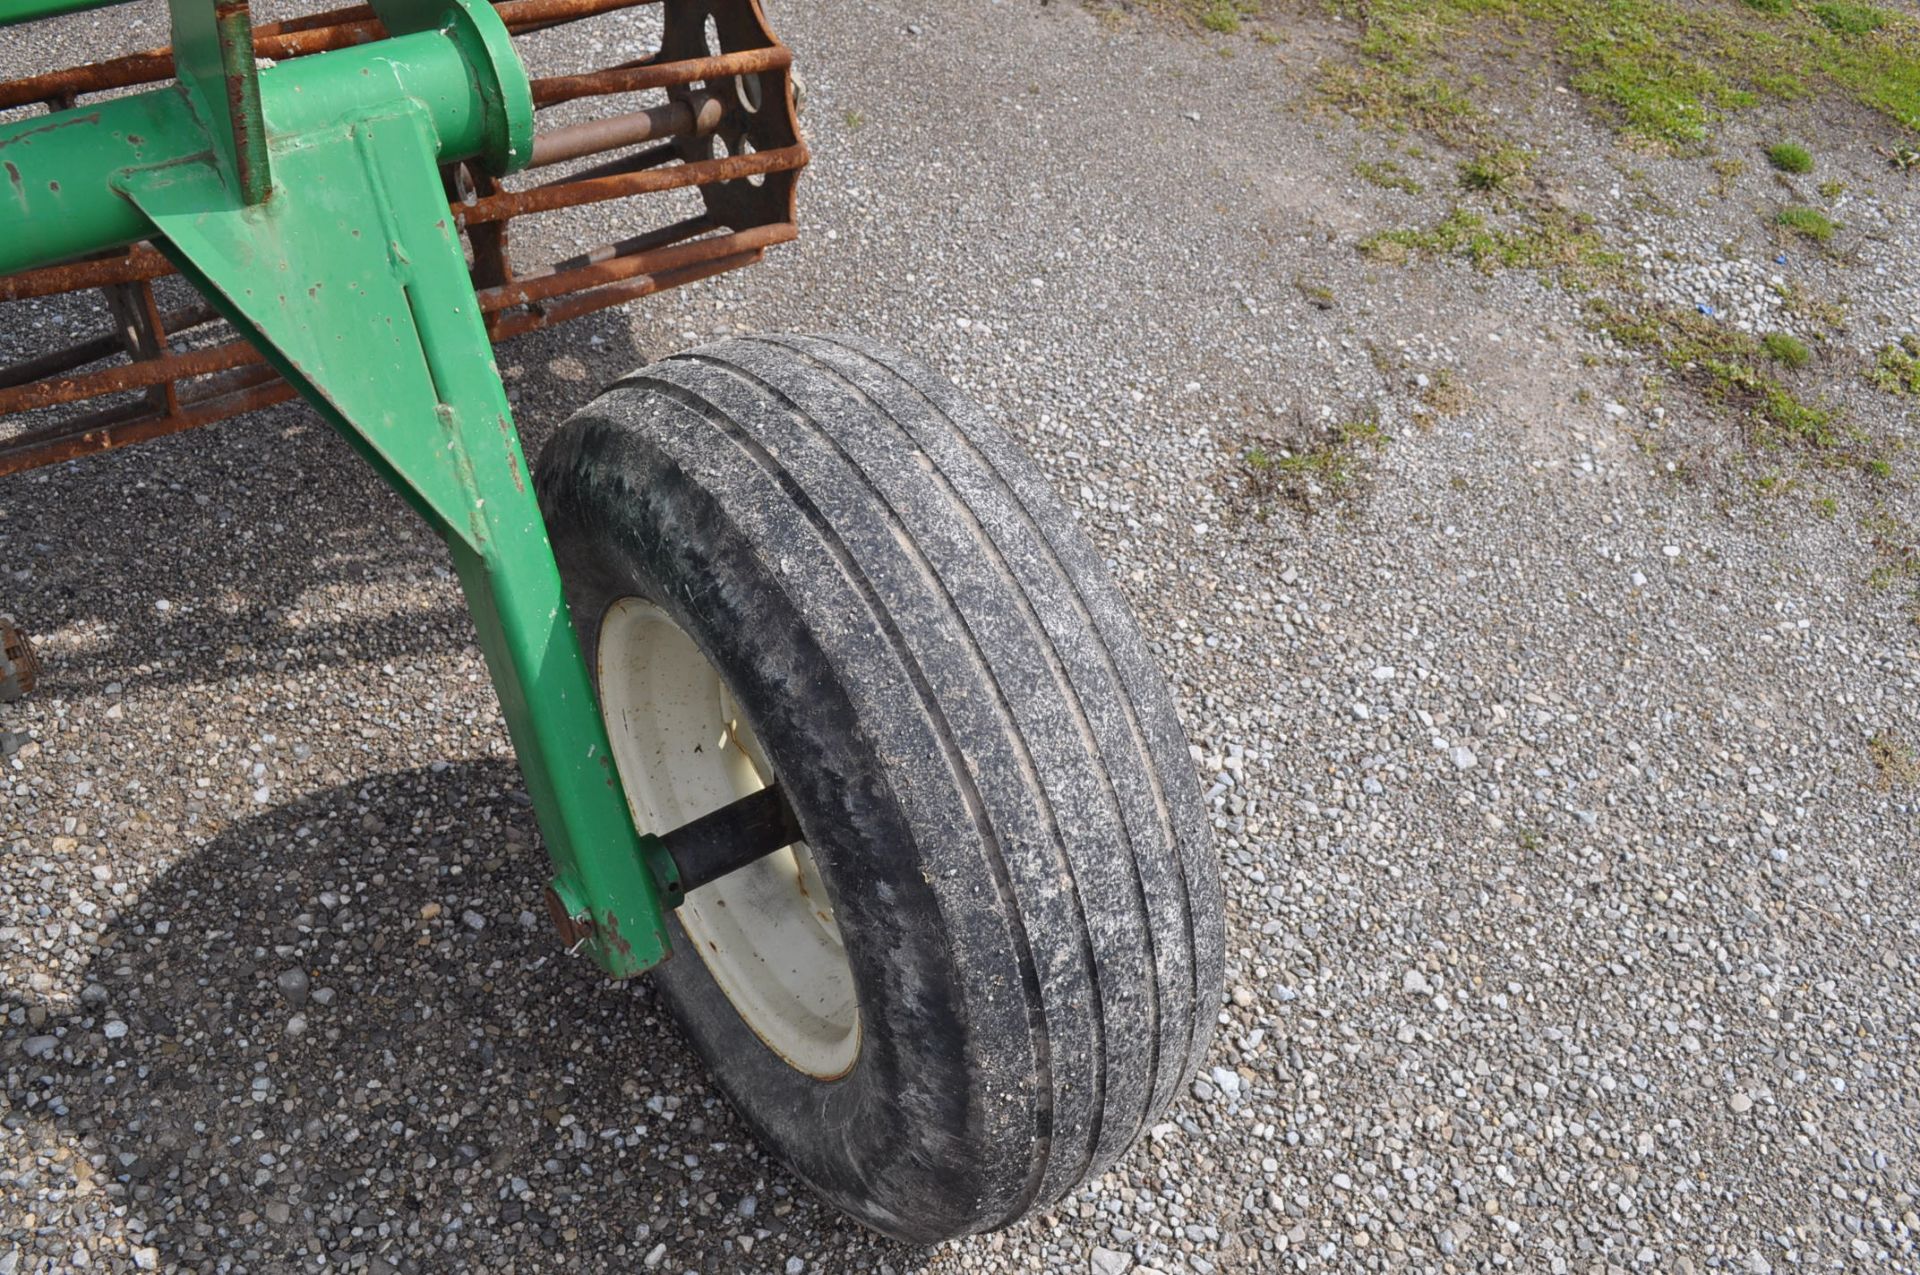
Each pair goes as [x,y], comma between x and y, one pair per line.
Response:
[308,208]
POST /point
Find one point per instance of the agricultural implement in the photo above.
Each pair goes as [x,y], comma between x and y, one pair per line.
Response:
[811,679]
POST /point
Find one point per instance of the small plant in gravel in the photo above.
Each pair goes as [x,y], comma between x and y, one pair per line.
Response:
[1895,551]
[1500,170]
[1311,468]
[1447,393]
[1808,223]
[1803,305]
[1790,157]
[1785,348]
[1318,293]
[1896,369]
[1388,175]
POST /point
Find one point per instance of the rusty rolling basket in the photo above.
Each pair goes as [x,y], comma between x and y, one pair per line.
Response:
[815,687]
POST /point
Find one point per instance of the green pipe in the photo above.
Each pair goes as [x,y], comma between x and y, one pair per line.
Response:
[60,199]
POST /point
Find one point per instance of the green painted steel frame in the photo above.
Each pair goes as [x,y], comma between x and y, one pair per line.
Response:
[305,202]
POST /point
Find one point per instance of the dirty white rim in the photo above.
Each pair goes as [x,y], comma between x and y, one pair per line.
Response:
[766,932]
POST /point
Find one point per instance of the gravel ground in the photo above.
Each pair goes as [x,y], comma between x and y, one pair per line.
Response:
[1564,791]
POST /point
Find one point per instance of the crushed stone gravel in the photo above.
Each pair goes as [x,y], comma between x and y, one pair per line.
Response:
[1572,926]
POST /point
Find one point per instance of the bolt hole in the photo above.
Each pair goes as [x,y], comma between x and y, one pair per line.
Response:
[748,88]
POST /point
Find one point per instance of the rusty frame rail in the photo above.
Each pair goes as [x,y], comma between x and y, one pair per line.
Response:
[736,100]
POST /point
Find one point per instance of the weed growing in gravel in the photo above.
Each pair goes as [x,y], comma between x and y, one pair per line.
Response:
[1500,170]
[1784,348]
[1896,369]
[1388,175]
[1664,69]
[1804,305]
[1809,223]
[1224,16]
[1893,761]
[1311,469]
[1447,393]
[1318,293]
[1893,544]
[1553,241]
[1789,157]
[1734,368]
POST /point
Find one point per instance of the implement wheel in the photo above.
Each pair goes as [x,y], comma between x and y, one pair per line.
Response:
[996,956]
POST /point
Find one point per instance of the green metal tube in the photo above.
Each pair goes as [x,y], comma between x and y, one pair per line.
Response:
[61,198]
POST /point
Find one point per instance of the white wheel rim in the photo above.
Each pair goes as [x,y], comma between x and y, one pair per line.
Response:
[766,932]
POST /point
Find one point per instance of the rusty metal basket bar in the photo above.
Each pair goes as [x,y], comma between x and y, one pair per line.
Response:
[748,193]
[294,37]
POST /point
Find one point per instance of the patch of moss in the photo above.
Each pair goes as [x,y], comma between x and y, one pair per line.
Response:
[1809,223]
[1790,157]
[1785,348]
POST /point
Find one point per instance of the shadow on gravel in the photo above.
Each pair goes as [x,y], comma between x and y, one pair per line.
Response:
[340,1029]
[221,551]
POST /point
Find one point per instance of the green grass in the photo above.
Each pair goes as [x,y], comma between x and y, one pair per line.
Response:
[1896,369]
[1850,19]
[1808,223]
[1790,157]
[1663,70]
[1734,369]
[1784,348]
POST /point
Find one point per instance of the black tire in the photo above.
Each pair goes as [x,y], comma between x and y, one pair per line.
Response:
[985,762]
